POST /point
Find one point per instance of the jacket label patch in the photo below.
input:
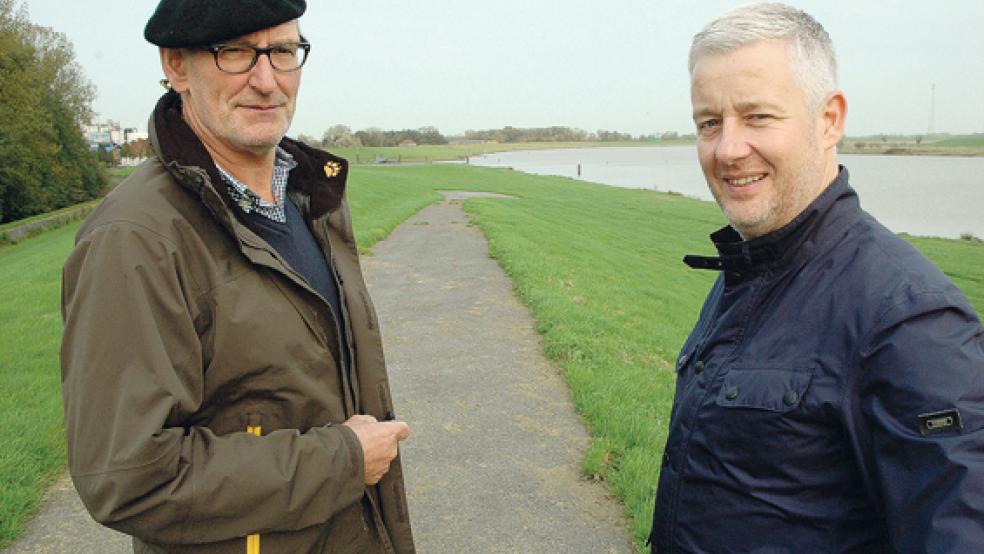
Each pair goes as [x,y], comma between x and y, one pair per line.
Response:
[940,422]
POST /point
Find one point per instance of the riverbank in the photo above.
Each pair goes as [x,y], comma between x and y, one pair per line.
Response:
[598,266]
[899,146]
[427,153]
[902,145]
[373,155]
[911,150]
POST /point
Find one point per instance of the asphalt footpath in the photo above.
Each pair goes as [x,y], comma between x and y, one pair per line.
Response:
[491,465]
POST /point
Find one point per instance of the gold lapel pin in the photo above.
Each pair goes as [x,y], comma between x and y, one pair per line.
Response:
[332,169]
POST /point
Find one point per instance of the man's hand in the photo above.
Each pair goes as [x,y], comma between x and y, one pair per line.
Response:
[379,441]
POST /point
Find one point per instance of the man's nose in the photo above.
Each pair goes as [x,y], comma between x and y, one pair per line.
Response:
[261,76]
[732,142]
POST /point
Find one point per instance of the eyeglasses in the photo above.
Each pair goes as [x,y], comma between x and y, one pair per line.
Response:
[238,58]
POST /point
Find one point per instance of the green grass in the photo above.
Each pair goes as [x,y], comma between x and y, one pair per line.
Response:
[600,269]
[907,145]
[598,266]
[30,407]
[117,174]
[966,140]
[961,260]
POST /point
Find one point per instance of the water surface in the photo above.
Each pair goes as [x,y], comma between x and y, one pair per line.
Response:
[920,195]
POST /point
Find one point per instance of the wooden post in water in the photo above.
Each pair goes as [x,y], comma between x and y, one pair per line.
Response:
[578,170]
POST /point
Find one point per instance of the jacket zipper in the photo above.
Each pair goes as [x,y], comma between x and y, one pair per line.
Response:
[347,344]
[253,541]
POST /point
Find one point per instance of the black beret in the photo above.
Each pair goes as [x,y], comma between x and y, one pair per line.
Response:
[188,23]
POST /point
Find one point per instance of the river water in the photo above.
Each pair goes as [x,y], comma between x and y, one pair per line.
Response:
[921,195]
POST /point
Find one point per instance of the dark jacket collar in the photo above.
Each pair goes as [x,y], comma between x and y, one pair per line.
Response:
[319,176]
[825,218]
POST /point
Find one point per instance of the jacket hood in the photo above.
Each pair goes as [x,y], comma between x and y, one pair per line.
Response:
[827,216]
[320,176]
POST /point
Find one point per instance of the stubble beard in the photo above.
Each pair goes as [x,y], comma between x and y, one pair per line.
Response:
[792,195]
[249,136]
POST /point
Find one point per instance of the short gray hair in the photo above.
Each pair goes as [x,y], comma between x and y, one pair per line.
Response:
[811,53]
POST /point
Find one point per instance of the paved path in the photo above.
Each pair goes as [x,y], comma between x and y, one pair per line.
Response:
[492,463]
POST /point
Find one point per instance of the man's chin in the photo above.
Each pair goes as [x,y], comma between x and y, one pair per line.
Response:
[260,142]
[749,225]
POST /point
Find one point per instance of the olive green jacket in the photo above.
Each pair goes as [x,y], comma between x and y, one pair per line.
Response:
[187,335]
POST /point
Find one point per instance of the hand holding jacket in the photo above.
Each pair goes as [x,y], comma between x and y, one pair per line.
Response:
[379,440]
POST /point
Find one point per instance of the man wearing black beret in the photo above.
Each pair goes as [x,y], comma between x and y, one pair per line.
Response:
[223,374]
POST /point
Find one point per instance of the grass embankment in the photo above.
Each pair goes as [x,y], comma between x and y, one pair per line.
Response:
[16,231]
[600,269]
[32,443]
[598,266]
[908,145]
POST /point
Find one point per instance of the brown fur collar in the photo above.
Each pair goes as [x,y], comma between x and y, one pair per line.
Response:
[319,175]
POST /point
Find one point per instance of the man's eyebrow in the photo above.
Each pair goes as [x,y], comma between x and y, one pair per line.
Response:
[704,112]
[740,107]
[745,107]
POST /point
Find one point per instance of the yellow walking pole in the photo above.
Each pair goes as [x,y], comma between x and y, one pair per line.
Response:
[253,541]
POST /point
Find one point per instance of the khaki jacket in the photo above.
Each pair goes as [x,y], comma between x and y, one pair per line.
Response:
[186,336]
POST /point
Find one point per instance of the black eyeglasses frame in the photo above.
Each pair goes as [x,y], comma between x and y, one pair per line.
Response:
[257,52]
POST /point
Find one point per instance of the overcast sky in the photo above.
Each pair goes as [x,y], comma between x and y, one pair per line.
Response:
[617,65]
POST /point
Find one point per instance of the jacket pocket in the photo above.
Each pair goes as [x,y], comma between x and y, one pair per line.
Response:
[770,389]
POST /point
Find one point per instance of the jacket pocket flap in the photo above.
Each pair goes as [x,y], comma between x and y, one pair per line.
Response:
[771,389]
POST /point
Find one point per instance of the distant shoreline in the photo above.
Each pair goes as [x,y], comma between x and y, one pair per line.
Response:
[449,152]
[929,150]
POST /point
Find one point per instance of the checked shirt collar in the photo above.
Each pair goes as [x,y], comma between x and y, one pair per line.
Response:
[249,201]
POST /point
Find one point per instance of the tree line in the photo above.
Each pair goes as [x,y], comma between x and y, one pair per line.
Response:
[343,136]
[546,134]
[45,163]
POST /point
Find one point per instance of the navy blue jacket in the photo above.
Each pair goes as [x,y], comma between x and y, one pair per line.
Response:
[830,398]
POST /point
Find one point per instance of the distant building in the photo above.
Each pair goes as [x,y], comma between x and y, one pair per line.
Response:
[134,134]
[407,142]
[103,134]
[114,143]
[110,134]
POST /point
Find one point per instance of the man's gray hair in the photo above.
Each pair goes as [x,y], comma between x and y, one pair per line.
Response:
[811,54]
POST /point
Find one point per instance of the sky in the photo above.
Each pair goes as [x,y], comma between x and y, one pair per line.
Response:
[614,65]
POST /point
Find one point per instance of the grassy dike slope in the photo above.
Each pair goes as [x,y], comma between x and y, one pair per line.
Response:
[600,269]
[598,266]
[32,443]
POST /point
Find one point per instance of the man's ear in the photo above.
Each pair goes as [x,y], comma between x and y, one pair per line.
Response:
[174,62]
[833,118]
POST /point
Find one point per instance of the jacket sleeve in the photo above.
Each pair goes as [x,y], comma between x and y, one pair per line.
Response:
[927,357]
[132,380]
